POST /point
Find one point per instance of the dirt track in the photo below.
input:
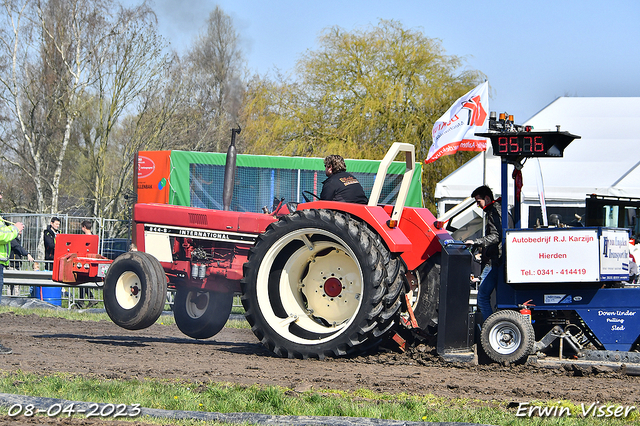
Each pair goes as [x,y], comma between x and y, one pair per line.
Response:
[103,349]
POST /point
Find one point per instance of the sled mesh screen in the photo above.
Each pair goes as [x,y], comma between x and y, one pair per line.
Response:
[256,187]
[196,179]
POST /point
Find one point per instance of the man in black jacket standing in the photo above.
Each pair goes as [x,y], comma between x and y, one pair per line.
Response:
[50,241]
[340,185]
[491,245]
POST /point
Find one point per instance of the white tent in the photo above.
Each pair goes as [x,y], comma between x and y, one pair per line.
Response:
[605,161]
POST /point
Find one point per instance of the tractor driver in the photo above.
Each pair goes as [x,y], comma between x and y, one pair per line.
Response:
[340,185]
[491,244]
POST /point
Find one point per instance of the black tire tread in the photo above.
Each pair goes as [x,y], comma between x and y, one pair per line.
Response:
[150,306]
[212,320]
[157,305]
[426,309]
[395,283]
[365,329]
[526,330]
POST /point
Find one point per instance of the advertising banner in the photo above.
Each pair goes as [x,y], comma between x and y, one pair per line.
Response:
[614,254]
[552,255]
[154,168]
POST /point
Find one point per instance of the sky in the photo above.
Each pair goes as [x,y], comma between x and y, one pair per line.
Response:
[532,52]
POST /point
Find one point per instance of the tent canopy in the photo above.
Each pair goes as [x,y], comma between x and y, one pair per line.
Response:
[605,161]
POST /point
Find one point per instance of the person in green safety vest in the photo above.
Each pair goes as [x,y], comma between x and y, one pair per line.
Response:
[8,232]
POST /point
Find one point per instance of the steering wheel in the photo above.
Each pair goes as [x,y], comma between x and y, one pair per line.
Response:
[307,199]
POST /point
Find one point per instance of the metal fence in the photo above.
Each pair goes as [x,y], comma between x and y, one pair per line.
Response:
[21,277]
[32,237]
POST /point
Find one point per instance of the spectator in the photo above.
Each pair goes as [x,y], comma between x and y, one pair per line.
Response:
[85,226]
[7,234]
[50,241]
[340,185]
[17,253]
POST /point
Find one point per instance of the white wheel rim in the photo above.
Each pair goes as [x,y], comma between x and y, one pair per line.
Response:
[505,338]
[308,288]
[196,303]
[128,290]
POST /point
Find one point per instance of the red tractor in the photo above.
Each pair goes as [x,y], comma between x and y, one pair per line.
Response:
[317,279]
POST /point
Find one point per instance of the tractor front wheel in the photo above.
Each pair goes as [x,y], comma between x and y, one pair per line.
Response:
[201,314]
[134,290]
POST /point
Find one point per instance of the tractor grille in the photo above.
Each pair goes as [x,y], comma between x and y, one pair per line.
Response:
[198,219]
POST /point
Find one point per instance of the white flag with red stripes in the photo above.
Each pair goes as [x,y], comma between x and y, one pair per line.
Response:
[455,130]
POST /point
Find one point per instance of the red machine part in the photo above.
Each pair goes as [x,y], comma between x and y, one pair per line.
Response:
[418,225]
[375,216]
[76,260]
[525,308]
[211,233]
[162,214]
[416,237]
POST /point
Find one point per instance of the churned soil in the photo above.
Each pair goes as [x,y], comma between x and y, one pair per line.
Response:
[102,349]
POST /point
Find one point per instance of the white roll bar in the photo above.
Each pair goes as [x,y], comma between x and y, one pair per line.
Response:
[410,158]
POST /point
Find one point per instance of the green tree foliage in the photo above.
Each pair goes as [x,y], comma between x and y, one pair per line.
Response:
[356,95]
[85,84]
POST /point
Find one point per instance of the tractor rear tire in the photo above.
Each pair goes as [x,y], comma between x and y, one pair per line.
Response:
[507,337]
[395,283]
[315,285]
[201,314]
[134,290]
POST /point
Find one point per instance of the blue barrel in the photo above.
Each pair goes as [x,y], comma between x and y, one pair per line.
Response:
[51,295]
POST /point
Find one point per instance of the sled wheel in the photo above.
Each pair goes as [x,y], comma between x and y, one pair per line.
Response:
[425,297]
[507,337]
[134,290]
[201,314]
[315,286]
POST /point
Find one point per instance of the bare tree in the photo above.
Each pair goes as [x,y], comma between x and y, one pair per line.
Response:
[48,48]
[127,66]
[216,80]
[158,123]
[71,69]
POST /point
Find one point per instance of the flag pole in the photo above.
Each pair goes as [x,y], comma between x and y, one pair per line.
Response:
[484,166]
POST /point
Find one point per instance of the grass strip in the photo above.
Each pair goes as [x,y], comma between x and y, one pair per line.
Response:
[81,315]
[233,398]
[230,398]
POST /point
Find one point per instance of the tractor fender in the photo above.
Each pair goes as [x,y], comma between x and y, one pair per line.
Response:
[426,239]
[375,216]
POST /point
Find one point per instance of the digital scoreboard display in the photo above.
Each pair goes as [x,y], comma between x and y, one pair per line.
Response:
[515,145]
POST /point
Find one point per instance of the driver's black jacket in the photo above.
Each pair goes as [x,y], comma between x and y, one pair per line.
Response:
[343,187]
[491,242]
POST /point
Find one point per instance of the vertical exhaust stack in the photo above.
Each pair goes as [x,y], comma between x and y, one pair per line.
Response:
[230,171]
